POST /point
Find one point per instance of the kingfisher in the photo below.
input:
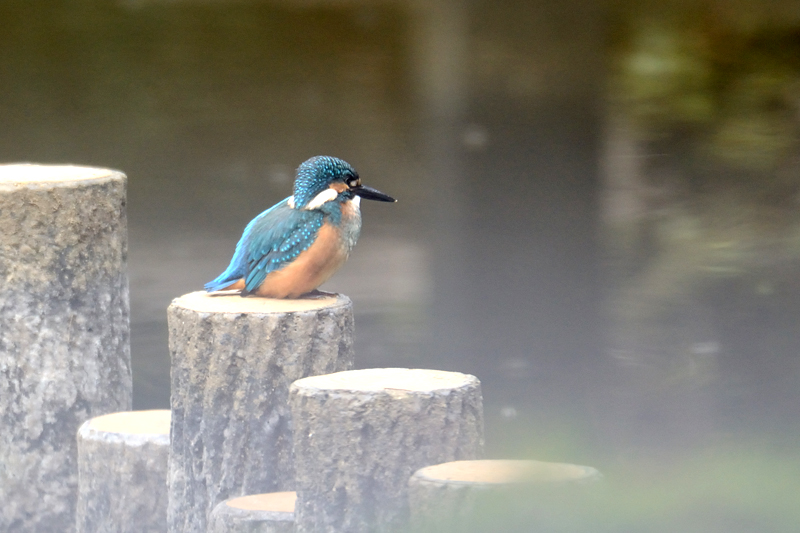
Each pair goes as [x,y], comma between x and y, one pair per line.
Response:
[296,245]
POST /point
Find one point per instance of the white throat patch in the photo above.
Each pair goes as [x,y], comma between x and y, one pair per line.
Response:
[325,196]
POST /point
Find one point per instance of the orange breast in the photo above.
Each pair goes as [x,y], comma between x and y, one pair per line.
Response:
[311,269]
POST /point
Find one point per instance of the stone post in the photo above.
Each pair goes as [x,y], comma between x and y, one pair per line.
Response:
[499,495]
[359,435]
[233,360]
[259,513]
[64,331]
[122,473]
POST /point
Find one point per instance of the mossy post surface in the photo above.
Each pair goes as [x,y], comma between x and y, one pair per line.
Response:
[64,331]
[122,473]
[233,360]
[257,513]
[359,435]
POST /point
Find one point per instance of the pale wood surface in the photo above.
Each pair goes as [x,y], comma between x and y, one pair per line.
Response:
[28,174]
[279,502]
[498,471]
[155,421]
[389,380]
[204,302]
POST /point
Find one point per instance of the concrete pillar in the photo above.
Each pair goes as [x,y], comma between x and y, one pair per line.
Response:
[259,513]
[499,495]
[64,331]
[122,473]
[359,435]
[233,360]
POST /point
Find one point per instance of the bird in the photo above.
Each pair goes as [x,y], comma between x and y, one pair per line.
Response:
[299,243]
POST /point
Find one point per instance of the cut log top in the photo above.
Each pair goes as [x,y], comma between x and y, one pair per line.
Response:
[276,502]
[204,302]
[153,422]
[31,175]
[499,472]
[271,512]
[387,379]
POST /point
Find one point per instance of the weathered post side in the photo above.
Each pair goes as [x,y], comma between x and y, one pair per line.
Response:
[122,473]
[359,435]
[64,331]
[233,360]
[507,495]
[259,513]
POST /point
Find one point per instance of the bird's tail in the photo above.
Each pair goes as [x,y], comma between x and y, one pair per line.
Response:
[226,279]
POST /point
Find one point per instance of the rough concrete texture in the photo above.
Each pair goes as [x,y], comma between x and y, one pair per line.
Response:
[64,333]
[359,436]
[231,371]
[237,516]
[507,495]
[122,475]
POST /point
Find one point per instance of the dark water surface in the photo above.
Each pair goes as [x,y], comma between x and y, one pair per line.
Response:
[489,123]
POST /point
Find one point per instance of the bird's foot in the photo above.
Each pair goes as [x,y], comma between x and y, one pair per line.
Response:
[317,295]
[224,292]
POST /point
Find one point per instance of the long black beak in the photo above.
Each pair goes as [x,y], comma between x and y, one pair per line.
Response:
[368,193]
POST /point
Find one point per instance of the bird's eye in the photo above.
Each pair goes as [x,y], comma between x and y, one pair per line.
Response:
[352,182]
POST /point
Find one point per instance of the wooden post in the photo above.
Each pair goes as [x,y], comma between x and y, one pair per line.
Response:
[122,473]
[64,335]
[359,436]
[499,495]
[259,513]
[233,360]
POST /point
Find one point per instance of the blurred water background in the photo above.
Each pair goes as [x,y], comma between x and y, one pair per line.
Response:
[597,216]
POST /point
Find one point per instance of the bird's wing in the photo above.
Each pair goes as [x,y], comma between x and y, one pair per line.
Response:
[276,238]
